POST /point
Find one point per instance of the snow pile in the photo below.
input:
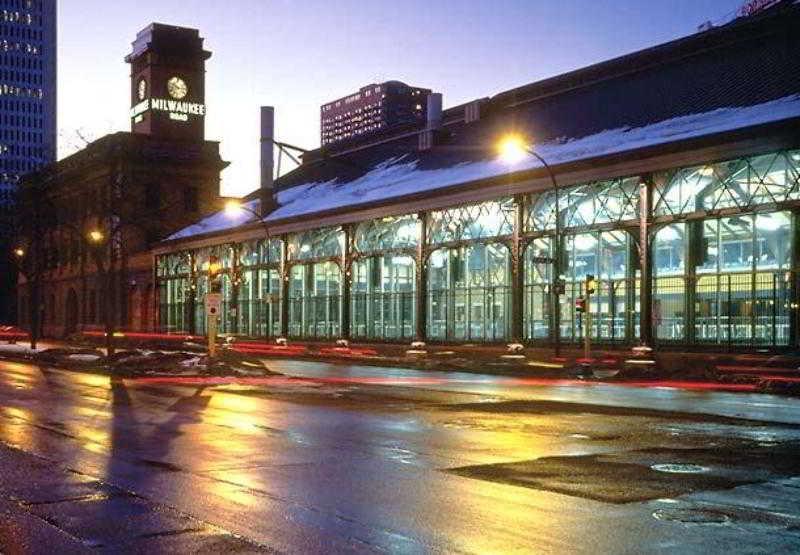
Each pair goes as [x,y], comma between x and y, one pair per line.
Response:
[398,177]
[83,357]
[65,356]
[155,363]
[16,350]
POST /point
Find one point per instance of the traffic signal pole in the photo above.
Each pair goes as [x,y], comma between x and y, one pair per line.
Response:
[212,335]
[591,284]
[587,326]
[213,303]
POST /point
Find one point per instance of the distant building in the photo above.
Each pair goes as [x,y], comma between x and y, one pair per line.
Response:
[134,188]
[372,109]
[27,110]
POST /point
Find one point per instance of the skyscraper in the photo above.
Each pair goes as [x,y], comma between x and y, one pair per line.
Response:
[27,109]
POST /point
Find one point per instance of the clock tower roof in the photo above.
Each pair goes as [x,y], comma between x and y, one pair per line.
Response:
[168,39]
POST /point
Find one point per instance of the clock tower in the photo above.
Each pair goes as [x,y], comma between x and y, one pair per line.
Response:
[168,83]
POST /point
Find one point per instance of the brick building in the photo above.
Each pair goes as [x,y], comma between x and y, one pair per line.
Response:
[106,204]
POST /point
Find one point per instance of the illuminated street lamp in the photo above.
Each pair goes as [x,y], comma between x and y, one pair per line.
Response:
[95,236]
[234,207]
[19,252]
[513,149]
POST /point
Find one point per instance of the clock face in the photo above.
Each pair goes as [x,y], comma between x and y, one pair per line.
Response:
[142,89]
[176,87]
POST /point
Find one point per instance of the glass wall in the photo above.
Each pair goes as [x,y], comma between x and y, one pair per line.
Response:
[720,253]
[538,303]
[259,290]
[175,287]
[469,294]
[469,275]
[225,255]
[383,284]
[742,293]
[315,283]
[724,280]
[606,255]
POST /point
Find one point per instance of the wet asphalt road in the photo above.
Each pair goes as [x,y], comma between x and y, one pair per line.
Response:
[424,463]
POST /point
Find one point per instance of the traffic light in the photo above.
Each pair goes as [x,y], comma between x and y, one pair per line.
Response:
[580,305]
[591,284]
[214,269]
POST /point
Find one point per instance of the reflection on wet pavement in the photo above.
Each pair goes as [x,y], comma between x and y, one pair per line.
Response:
[309,467]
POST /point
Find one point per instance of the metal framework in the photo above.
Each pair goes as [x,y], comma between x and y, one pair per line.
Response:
[701,255]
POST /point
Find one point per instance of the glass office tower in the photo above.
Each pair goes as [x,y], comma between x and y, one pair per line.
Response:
[27,111]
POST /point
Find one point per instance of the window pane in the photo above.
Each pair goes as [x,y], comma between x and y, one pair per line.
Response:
[773,245]
[469,294]
[394,232]
[669,249]
[317,243]
[736,243]
[669,296]
[613,254]
[475,221]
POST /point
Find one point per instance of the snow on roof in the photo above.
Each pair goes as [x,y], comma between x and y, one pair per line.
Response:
[219,221]
[398,177]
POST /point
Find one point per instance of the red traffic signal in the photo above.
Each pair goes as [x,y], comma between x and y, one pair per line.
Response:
[580,304]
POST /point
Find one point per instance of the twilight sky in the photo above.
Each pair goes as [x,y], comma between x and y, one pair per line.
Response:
[296,55]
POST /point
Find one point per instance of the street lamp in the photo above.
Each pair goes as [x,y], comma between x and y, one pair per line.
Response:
[95,236]
[513,149]
[19,252]
[234,207]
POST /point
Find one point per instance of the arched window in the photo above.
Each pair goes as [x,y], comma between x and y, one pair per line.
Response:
[469,281]
[383,286]
[315,292]
[315,283]
[606,256]
[259,295]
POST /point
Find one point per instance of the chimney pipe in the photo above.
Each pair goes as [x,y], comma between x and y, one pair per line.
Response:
[434,110]
[268,203]
[434,122]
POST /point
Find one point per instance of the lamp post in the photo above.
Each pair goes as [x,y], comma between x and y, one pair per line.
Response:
[97,241]
[29,266]
[512,149]
[233,208]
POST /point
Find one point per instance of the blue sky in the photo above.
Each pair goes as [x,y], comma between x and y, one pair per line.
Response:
[298,55]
